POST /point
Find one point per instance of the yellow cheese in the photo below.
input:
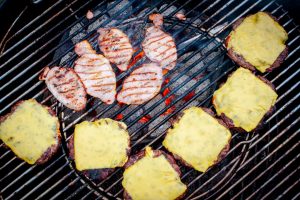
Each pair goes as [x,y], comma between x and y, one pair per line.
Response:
[245,99]
[259,39]
[29,131]
[152,178]
[197,138]
[100,144]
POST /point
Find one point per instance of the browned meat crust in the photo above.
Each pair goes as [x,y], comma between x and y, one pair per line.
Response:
[51,150]
[224,151]
[134,158]
[229,122]
[239,59]
[94,174]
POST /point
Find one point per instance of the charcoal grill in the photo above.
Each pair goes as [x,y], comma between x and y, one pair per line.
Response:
[260,165]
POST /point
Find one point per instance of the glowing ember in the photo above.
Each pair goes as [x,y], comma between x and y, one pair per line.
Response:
[189,96]
[165,71]
[136,58]
[169,99]
[145,119]
[119,117]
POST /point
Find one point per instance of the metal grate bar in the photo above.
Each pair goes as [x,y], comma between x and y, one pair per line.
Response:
[41,183]
[37,175]
[33,32]
[28,25]
[280,122]
[271,166]
[54,185]
[64,189]
[284,180]
[288,190]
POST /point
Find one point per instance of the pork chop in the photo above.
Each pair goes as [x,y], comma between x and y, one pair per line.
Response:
[141,85]
[116,46]
[66,87]
[96,74]
[159,46]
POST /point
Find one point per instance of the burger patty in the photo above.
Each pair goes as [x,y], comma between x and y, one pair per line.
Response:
[94,174]
[189,140]
[240,60]
[116,157]
[229,122]
[51,150]
[135,158]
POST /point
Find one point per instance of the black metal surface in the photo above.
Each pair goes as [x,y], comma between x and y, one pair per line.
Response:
[259,165]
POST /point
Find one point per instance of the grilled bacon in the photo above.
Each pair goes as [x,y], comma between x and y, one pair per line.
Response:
[97,76]
[160,47]
[66,87]
[116,46]
[141,85]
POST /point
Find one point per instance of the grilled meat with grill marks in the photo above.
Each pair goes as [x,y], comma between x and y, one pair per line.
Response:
[141,85]
[31,131]
[66,87]
[159,46]
[84,47]
[96,74]
[116,46]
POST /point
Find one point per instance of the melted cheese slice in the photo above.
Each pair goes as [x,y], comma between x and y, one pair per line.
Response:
[152,178]
[100,144]
[29,131]
[197,138]
[245,99]
[259,39]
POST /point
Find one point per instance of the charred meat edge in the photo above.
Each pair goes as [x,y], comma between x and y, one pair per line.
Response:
[47,155]
[223,152]
[229,123]
[134,158]
[239,59]
[94,174]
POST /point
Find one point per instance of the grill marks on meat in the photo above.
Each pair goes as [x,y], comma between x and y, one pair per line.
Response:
[141,85]
[159,46]
[97,76]
[84,47]
[116,46]
[66,87]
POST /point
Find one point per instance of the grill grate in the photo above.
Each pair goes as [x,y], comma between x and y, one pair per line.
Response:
[259,165]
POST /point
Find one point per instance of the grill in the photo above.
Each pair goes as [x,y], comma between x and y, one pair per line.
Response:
[259,165]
